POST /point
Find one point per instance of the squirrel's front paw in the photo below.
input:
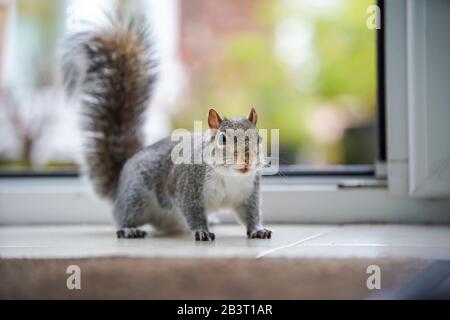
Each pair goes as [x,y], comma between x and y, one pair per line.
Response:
[262,233]
[204,235]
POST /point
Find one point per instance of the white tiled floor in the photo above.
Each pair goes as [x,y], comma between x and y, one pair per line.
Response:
[296,241]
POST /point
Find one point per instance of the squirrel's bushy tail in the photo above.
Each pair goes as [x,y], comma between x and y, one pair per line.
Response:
[112,70]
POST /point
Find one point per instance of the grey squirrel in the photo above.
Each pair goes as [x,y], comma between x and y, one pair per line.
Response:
[113,72]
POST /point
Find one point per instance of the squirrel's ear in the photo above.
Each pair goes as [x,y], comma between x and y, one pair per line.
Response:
[214,119]
[253,116]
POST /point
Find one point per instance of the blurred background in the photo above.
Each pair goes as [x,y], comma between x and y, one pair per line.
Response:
[307,66]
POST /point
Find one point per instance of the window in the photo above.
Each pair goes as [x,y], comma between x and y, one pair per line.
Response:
[309,68]
[373,114]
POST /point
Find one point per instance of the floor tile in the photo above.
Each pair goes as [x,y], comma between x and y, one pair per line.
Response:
[372,241]
[91,241]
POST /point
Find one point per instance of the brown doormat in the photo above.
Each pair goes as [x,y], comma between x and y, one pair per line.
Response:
[158,278]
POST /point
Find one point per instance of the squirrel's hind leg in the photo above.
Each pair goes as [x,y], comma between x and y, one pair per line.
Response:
[130,212]
[131,233]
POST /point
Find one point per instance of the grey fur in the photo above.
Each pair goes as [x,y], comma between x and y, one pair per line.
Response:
[148,188]
[170,197]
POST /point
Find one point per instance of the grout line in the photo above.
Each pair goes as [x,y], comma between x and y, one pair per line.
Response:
[384,245]
[265,253]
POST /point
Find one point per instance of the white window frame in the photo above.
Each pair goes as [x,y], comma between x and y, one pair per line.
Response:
[415,76]
[290,199]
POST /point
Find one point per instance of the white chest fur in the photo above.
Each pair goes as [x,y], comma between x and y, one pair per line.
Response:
[227,191]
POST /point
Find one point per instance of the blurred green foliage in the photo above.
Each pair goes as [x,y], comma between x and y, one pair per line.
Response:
[324,106]
[340,75]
